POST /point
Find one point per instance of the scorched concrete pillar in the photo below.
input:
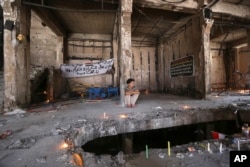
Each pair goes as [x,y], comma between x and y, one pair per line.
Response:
[202,61]
[248,38]
[115,56]
[206,29]
[16,53]
[59,51]
[125,60]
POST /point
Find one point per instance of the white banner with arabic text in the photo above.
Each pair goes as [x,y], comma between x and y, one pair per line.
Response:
[81,70]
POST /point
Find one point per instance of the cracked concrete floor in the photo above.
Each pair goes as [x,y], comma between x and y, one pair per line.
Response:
[34,143]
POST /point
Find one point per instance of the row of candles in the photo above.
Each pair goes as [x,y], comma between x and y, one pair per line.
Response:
[208,148]
[169,150]
[65,146]
[220,148]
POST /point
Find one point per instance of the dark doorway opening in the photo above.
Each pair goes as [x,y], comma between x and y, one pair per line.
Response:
[39,86]
[39,95]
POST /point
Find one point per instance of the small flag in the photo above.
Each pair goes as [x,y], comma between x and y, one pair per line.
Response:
[217,135]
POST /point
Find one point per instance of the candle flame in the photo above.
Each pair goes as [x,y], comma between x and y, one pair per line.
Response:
[104,115]
[77,160]
[186,107]
[64,145]
[123,116]
[242,91]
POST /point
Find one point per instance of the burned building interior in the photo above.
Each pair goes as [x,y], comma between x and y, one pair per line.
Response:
[63,71]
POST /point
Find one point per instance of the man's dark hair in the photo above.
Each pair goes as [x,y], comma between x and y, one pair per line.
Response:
[130,80]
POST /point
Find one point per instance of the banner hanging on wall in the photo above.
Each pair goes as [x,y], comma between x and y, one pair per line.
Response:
[82,70]
[182,67]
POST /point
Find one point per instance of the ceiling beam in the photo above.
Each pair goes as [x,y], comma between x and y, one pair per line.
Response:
[237,42]
[79,6]
[151,29]
[188,6]
[50,20]
[231,9]
[218,31]
[175,29]
[156,13]
[90,37]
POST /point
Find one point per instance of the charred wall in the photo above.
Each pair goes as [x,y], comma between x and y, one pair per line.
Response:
[43,43]
[218,69]
[89,48]
[144,67]
[180,46]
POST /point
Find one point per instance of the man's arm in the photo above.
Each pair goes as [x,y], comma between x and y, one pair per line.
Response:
[128,92]
[131,92]
[136,91]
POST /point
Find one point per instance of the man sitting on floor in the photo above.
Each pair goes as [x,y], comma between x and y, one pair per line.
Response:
[131,93]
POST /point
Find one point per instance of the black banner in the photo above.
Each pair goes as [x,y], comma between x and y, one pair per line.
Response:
[182,67]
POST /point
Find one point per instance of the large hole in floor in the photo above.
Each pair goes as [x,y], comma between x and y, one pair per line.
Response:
[158,138]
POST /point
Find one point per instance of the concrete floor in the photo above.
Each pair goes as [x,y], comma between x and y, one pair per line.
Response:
[37,136]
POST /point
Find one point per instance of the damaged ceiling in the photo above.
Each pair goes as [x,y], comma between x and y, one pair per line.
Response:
[151,19]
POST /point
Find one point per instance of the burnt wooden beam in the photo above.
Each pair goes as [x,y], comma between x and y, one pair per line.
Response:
[237,42]
[187,6]
[240,11]
[83,5]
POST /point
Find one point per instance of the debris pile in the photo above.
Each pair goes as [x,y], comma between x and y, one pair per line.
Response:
[5,134]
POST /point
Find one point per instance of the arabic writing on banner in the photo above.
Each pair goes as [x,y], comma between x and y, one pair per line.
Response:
[81,70]
[182,67]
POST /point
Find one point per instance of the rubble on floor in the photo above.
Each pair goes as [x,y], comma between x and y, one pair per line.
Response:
[35,130]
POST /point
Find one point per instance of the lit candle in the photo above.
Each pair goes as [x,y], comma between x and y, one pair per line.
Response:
[220,148]
[208,147]
[104,115]
[146,152]
[238,145]
[64,145]
[123,116]
[169,149]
